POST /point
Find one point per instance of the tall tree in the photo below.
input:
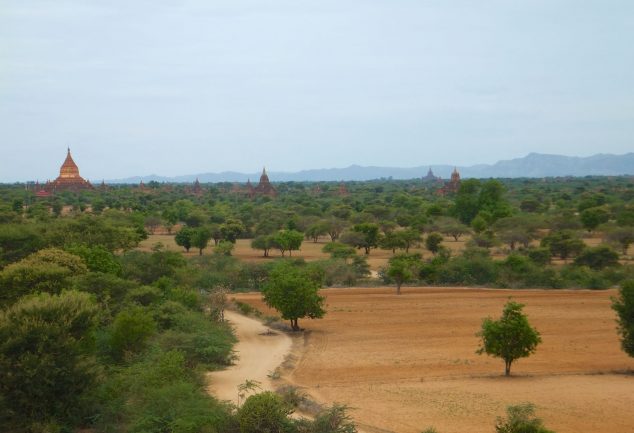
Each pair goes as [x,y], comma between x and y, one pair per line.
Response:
[403,268]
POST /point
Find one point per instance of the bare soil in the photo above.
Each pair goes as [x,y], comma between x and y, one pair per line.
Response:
[408,362]
[260,351]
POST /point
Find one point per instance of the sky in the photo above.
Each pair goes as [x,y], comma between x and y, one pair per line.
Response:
[175,87]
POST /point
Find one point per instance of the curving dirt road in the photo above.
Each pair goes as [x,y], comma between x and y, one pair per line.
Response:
[260,351]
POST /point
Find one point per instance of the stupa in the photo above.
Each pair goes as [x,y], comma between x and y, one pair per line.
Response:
[68,179]
[265,187]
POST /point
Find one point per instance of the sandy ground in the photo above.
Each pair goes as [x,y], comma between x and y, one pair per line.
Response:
[260,351]
[408,362]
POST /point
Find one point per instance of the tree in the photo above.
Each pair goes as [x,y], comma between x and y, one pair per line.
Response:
[621,236]
[520,419]
[46,360]
[288,240]
[510,338]
[433,242]
[402,268]
[264,243]
[364,235]
[97,258]
[598,257]
[200,238]
[392,241]
[231,230]
[184,238]
[591,218]
[563,243]
[452,227]
[338,250]
[334,227]
[292,292]
[224,248]
[624,307]
[314,231]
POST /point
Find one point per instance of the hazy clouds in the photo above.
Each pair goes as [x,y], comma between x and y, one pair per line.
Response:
[176,87]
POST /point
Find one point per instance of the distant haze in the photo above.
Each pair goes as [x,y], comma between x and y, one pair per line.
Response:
[198,86]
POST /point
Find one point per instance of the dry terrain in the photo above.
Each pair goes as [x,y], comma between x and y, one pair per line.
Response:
[408,362]
[259,352]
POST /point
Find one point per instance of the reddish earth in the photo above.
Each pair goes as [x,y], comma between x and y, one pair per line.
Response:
[408,362]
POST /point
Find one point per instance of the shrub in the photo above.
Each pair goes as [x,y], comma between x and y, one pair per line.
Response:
[130,331]
[265,412]
[520,419]
[46,360]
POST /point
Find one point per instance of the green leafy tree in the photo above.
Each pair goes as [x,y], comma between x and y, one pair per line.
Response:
[624,307]
[338,250]
[593,217]
[510,338]
[46,360]
[434,242]
[621,236]
[452,227]
[231,230]
[403,268]
[264,243]
[314,231]
[200,238]
[598,257]
[392,241]
[364,235]
[184,238]
[292,292]
[224,248]
[288,240]
[97,258]
[563,244]
[520,419]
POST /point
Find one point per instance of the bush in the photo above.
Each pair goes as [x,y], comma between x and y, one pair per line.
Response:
[598,257]
[160,394]
[46,359]
[265,412]
[520,419]
[130,331]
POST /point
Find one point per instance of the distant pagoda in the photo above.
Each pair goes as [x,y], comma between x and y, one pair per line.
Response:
[68,179]
[265,187]
[453,185]
[431,177]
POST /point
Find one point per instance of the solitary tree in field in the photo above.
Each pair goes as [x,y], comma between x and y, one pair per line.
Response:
[403,268]
[624,307]
[292,292]
[510,338]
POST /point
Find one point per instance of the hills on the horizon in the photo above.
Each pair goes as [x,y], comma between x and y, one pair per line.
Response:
[532,165]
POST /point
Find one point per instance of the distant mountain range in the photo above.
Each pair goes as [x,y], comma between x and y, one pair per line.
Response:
[532,165]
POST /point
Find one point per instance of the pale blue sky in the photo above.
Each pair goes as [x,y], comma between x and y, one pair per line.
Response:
[188,86]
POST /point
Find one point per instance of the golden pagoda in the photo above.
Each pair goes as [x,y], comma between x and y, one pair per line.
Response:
[69,178]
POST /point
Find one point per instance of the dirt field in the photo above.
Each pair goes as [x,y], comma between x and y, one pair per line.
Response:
[408,362]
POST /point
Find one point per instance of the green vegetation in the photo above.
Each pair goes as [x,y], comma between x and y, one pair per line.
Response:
[624,307]
[294,293]
[136,327]
[520,419]
[510,338]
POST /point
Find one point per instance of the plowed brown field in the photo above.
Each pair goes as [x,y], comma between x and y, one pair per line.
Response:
[408,362]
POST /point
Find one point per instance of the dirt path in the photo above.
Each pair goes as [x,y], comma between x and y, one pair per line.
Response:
[260,351]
